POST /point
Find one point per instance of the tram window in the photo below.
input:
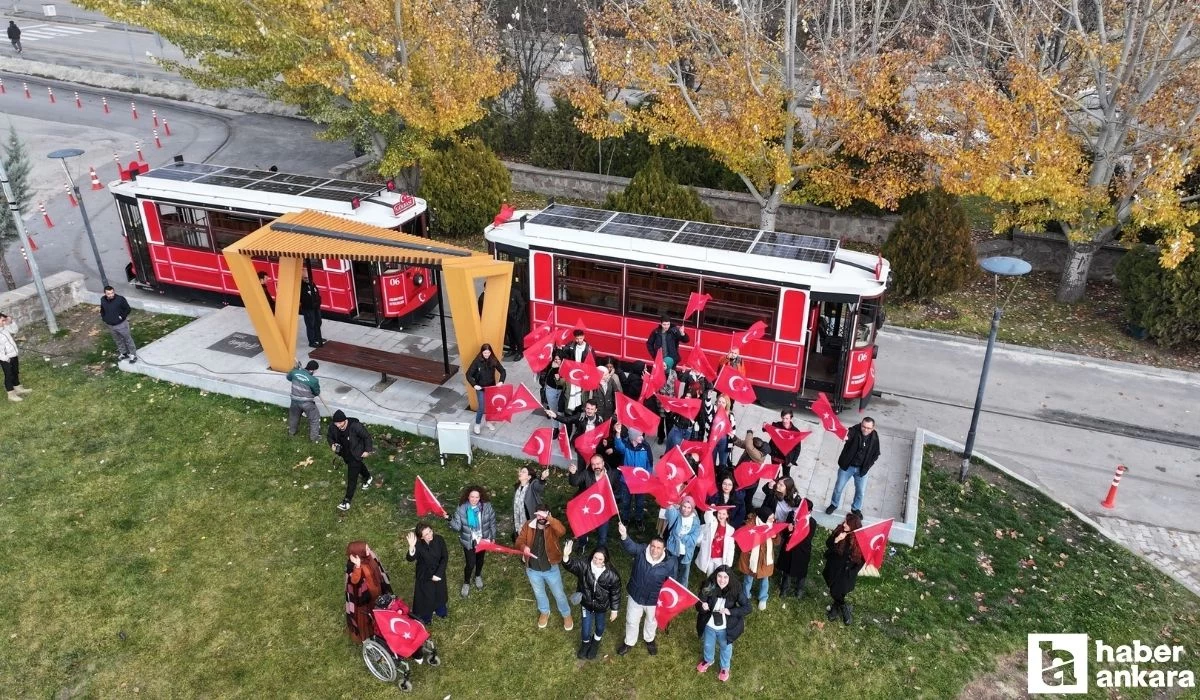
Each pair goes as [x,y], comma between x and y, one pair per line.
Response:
[588,283]
[868,324]
[131,219]
[652,293]
[228,229]
[736,307]
[184,226]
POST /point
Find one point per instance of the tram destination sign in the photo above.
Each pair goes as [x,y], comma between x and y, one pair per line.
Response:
[241,344]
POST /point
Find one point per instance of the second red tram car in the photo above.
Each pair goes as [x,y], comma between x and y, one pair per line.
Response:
[177,219]
[617,273]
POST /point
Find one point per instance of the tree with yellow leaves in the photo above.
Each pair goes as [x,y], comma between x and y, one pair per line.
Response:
[782,92]
[398,74]
[1078,112]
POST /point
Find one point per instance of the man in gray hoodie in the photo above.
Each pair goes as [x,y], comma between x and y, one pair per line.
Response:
[305,390]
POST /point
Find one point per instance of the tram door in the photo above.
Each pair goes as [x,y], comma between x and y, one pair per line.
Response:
[367,305]
[518,306]
[141,268]
[830,339]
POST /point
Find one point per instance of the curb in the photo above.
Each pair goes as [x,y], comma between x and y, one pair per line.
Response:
[929,438]
[1129,367]
[64,19]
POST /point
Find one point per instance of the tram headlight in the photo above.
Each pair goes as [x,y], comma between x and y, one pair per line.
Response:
[418,279]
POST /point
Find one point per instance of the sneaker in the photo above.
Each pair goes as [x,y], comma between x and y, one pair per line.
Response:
[344,506]
[623,649]
[367,484]
[723,675]
[762,605]
[132,359]
[466,590]
[491,425]
[652,648]
[543,620]
[475,428]
[568,623]
[121,356]
[479,582]
[702,667]
[830,510]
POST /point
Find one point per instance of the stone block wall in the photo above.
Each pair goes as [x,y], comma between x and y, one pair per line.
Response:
[65,290]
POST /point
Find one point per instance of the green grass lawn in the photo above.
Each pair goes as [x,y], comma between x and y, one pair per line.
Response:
[165,542]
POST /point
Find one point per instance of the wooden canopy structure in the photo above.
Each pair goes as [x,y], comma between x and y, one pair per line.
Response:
[293,238]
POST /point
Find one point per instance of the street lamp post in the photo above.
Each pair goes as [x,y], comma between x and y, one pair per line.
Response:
[62,155]
[14,210]
[999,266]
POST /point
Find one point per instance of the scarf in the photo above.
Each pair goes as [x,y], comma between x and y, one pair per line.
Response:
[596,575]
[473,517]
[654,562]
[519,518]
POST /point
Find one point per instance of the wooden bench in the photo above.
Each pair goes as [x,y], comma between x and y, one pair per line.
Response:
[386,363]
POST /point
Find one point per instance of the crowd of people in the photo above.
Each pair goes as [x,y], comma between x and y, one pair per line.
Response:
[685,534]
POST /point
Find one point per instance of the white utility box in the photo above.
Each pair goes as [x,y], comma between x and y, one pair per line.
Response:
[454,439]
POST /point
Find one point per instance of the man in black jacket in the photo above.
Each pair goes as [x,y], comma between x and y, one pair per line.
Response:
[858,455]
[668,338]
[14,35]
[114,311]
[348,438]
[310,309]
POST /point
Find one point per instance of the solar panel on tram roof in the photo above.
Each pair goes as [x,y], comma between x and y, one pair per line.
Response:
[648,221]
[332,194]
[797,240]
[732,245]
[177,175]
[572,223]
[365,189]
[792,253]
[629,231]
[306,180]
[223,181]
[588,214]
[719,231]
[249,174]
[277,187]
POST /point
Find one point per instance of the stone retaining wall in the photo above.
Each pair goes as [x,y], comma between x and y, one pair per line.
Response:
[65,290]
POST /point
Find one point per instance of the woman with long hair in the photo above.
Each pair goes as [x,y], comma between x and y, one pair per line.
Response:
[843,561]
[728,496]
[474,520]
[720,620]
[599,591]
[365,581]
[485,371]
[759,563]
[428,550]
[793,564]
[716,540]
[551,391]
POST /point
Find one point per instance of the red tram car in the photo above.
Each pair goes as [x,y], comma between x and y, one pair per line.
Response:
[618,272]
[177,219]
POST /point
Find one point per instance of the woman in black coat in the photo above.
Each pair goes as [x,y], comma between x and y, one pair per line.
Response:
[600,588]
[721,619]
[429,551]
[843,560]
[793,564]
[481,374]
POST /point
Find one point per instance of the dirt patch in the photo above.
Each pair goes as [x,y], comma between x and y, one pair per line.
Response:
[951,463]
[79,331]
[1007,680]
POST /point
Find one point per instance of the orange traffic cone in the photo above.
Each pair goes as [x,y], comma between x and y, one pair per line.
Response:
[45,216]
[1111,500]
[70,194]
[96,185]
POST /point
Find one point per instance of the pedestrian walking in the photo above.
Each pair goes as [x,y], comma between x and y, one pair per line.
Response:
[720,620]
[366,580]
[843,561]
[485,370]
[666,337]
[859,453]
[652,565]
[9,362]
[350,439]
[310,309]
[759,563]
[539,541]
[474,520]
[114,311]
[599,592]
[793,564]
[305,390]
[14,35]
[428,550]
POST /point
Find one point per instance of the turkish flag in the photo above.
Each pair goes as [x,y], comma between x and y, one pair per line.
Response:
[801,529]
[540,352]
[591,508]
[564,444]
[750,536]
[506,212]
[706,472]
[632,414]
[721,426]
[521,400]
[749,472]
[673,469]
[673,598]
[756,330]
[872,542]
[426,501]
[698,361]
[541,445]
[731,382]
[585,375]
[638,480]
[696,303]
[785,440]
[699,488]
[586,443]
[688,408]
[490,546]
[656,379]
[404,635]
[879,266]
[829,419]
[564,335]
[667,495]
[495,401]
[537,333]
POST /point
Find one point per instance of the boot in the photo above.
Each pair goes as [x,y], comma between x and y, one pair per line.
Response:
[584,649]
[833,611]
[593,649]
[22,391]
[14,396]
[799,592]
[783,586]
[846,609]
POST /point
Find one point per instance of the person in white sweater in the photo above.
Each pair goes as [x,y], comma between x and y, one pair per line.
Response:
[9,360]
[716,540]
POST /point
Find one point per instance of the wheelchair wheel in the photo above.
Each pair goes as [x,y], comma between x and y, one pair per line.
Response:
[379,661]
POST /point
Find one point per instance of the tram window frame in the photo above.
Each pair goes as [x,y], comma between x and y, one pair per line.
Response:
[184,220]
[869,312]
[131,219]
[592,278]
[671,299]
[223,236]
[727,312]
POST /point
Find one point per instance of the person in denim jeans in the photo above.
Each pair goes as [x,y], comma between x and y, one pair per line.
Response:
[599,591]
[551,391]
[539,541]
[720,620]
[858,456]
[484,371]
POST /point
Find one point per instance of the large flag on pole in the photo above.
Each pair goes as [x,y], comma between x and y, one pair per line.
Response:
[426,501]
[696,304]
[541,445]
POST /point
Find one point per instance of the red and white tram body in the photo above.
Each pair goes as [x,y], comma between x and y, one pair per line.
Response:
[617,273]
[179,217]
